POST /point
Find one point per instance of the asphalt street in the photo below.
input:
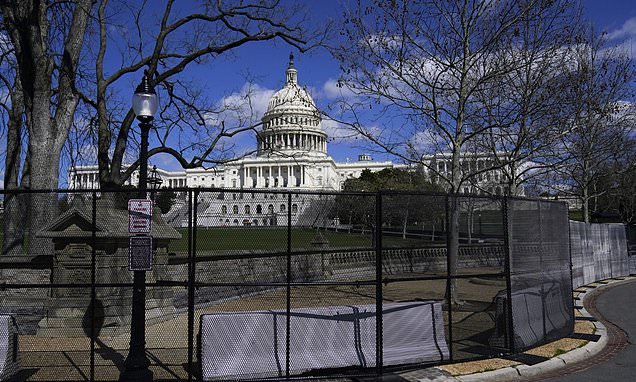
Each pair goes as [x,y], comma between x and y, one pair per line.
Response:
[618,306]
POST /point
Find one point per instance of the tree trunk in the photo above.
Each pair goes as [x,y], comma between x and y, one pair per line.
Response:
[14,212]
[404,224]
[469,223]
[453,247]
[586,205]
[43,206]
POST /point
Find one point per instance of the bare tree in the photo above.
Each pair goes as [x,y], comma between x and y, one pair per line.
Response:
[178,42]
[66,86]
[47,39]
[423,67]
[598,116]
[524,106]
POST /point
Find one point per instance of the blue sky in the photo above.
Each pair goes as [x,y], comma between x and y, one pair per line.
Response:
[266,62]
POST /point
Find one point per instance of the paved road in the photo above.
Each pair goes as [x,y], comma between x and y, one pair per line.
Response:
[618,306]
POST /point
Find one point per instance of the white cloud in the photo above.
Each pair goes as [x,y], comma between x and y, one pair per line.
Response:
[627,30]
[333,89]
[241,108]
[427,142]
[338,131]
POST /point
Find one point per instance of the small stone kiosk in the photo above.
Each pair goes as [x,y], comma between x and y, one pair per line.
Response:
[68,311]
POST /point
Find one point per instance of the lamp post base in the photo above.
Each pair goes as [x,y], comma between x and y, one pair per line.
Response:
[141,374]
[136,367]
[136,363]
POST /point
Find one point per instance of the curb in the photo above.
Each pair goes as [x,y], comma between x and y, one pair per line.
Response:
[518,372]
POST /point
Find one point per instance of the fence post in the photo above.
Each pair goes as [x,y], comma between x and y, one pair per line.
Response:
[449,302]
[544,314]
[93,291]
[289,280]
[191,277]
[564,204]
[378,283]
[507,260]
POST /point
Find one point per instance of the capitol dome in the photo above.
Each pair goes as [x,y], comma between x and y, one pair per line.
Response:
[291,125]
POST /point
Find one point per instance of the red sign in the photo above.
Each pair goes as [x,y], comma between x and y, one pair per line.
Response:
[139,215]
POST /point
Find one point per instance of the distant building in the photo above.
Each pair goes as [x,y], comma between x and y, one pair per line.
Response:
[491,182]
[291,155]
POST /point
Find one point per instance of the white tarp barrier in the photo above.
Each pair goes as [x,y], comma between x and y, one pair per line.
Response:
[599,251]
[253,344]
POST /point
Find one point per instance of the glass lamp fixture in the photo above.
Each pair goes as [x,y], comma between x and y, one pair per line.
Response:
[145,101]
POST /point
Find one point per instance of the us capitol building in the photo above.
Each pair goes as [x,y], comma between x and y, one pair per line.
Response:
[291,155]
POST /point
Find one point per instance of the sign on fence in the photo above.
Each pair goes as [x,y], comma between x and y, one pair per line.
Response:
[139,215]
[140,253]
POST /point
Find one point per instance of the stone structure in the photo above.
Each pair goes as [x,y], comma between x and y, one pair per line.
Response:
[68,308]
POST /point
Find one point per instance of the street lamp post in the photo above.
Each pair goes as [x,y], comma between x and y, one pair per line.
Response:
[145,105]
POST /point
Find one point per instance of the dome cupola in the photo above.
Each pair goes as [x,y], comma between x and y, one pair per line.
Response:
[291,125]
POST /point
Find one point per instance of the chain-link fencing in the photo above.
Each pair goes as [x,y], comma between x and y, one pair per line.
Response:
[275,284]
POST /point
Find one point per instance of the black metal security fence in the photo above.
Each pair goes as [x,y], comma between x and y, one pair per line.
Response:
[273,284]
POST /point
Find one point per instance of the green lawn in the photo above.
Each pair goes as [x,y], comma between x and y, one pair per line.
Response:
[275,239]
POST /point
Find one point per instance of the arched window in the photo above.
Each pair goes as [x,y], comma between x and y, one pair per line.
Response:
[264,221]
[247,209]
[255,222]
[224,210]
[282,208]
[294,208]
[270,209]
[235,221]
[259,209]
[235,209]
